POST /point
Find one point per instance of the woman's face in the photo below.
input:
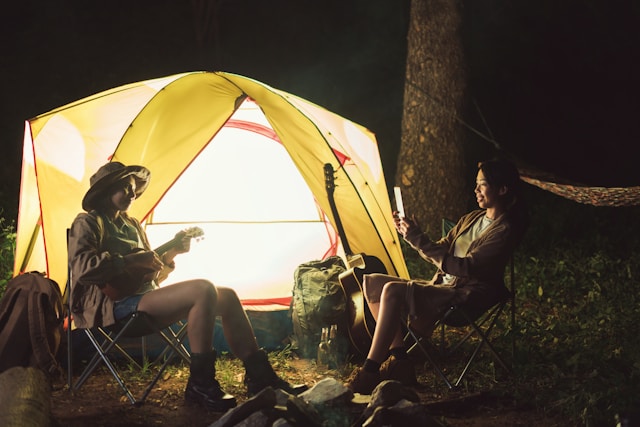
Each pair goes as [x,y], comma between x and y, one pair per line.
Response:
[488,197]
[124,194]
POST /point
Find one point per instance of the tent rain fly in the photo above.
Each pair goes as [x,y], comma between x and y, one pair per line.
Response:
[235,157]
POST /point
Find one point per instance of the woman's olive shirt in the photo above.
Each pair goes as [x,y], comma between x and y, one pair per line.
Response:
[96,250]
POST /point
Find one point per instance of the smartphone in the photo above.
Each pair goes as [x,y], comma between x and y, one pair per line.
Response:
[399,205]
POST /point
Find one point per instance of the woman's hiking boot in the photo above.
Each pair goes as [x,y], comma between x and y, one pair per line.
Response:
[363,382]
[402,370]
[203,389]
[260,375]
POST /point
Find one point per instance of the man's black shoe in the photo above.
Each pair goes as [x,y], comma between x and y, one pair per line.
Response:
[211,397]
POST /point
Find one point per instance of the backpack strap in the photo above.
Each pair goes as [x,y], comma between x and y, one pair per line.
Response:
[39,333]
[7,306]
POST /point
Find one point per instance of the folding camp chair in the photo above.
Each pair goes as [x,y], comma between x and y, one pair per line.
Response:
[479,326]
[107,343]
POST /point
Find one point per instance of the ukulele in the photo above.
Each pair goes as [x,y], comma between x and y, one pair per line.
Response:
[361,321]
[128,283]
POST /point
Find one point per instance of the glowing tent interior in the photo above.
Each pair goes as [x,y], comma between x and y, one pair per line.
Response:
[233,156]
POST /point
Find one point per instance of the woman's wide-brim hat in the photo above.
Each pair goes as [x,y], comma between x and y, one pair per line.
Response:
[110,174]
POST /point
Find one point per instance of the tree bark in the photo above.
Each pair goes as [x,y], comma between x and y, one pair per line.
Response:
[431,169]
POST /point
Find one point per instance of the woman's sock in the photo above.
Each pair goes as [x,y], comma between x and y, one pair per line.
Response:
[371,366]
[399,353]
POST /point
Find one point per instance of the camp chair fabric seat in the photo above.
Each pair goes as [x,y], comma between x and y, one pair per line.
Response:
[462,315]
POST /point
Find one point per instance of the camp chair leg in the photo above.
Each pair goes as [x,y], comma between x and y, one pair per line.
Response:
[114,345]
[484,335]
[175,347]
[143,351]
[492,315]
[419,342]
[175,343]
[94,363]
[482,327]
[69,348]
[485,341]
[102,349]
[174,340]
[475,353]
[101,352]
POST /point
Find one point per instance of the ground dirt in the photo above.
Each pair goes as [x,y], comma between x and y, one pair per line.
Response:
[100,402]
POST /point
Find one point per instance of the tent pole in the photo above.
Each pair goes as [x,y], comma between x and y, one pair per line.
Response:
[32,244]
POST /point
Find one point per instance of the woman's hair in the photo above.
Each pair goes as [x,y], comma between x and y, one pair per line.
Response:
[500,172]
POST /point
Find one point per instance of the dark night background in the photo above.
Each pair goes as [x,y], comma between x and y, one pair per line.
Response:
[557,82]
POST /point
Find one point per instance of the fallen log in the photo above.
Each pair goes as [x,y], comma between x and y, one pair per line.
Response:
[25,398]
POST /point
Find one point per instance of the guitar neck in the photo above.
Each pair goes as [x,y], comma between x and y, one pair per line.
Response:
[167,246]
[193,232]
[328,171]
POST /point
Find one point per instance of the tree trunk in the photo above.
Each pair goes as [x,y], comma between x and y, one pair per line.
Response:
[431,169]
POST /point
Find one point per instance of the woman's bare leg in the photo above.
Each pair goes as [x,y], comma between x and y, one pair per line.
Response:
[196,301]
[200,302]
[193,300]
[236,327]
[388,333]
[385,295]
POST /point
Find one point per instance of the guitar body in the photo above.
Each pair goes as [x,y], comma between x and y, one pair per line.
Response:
[361,322]
[128,282]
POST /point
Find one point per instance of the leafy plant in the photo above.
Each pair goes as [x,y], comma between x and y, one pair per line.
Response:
[7,251]
[578,305]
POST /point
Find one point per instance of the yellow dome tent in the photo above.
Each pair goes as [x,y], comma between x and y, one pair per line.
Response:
[233,156]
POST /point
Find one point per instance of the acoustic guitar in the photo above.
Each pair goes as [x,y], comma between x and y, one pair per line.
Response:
[361,321]
[128,283]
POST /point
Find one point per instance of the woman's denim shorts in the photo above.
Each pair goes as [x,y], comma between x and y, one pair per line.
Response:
[125,307]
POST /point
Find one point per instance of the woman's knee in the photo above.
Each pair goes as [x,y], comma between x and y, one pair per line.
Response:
[372,285]
[205,291]
[228,302]
[227,295]
[393,291]
[374,279]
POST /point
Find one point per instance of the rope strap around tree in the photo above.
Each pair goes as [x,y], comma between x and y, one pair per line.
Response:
[596,196]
